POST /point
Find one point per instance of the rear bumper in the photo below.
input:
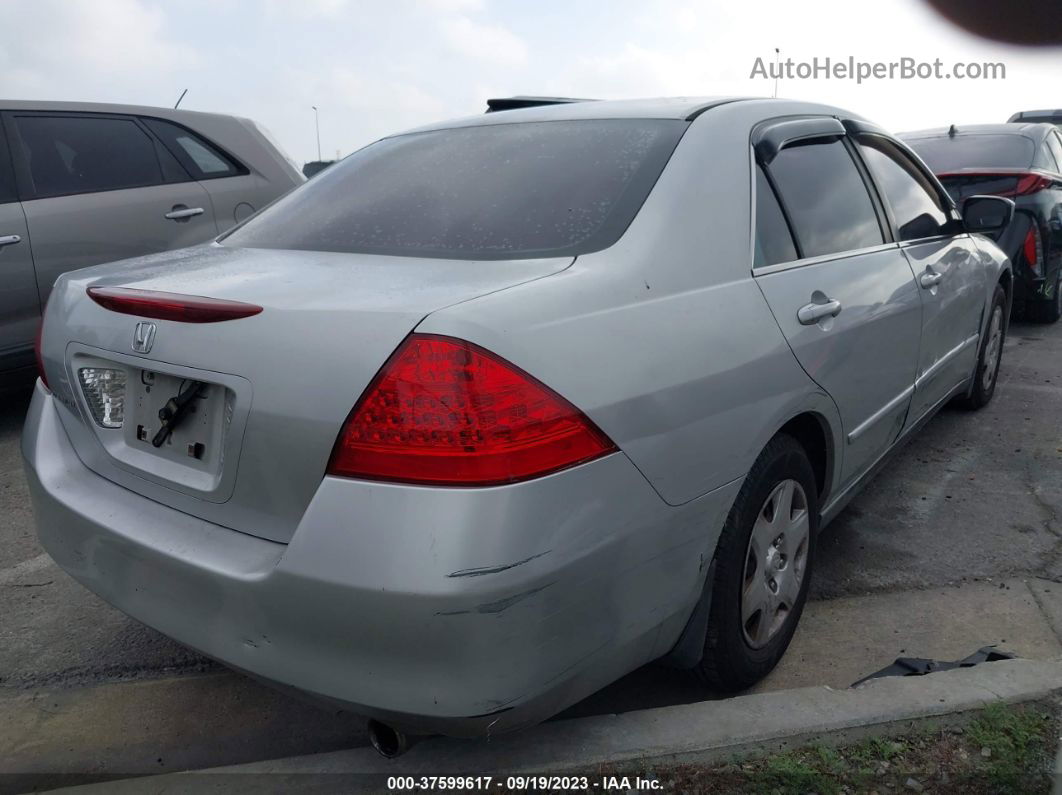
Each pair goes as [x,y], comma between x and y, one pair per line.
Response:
[439,610]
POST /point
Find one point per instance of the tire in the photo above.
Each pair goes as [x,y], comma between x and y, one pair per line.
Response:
[740,649]
[1048,311]
[986,373]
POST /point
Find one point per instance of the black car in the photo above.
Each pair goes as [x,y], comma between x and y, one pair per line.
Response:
[1023,162]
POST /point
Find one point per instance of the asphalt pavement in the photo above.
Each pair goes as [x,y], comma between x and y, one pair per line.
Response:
[956,544]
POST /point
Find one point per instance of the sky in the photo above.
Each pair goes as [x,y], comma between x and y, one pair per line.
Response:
[375,68]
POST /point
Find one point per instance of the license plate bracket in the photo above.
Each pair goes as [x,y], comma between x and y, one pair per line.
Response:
[197,440]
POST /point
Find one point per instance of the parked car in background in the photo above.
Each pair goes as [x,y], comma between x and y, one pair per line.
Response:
[82,184]
[538,397]
[1022,161]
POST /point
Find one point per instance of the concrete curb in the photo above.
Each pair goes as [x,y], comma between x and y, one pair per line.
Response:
[711,731]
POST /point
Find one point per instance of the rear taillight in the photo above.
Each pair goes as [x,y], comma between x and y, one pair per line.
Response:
[446,412]
[1031,183]
[1033,250]
[170,306]
[1026,182]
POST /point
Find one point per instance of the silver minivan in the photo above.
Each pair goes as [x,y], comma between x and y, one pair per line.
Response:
[82,184]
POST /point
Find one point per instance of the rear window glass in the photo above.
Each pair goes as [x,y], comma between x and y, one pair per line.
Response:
[504,191]
[946,154]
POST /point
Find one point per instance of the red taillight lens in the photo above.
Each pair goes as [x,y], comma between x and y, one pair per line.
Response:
[170,306]
[1033,249]
[446,412]
[1031,183]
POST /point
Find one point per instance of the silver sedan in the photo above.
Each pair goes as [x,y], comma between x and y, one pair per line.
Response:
[495,411]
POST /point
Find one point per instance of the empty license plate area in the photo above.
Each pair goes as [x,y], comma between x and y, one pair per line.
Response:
[180,420]
[118,398]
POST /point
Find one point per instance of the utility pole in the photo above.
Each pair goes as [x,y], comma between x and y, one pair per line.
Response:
[317,125]
[776,71]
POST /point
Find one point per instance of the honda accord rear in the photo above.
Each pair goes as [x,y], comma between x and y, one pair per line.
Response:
[494,412]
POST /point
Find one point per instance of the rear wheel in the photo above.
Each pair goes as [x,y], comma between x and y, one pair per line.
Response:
[763,567]
[986,372]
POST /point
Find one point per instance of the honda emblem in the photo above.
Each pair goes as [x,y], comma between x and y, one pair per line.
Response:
[143,337]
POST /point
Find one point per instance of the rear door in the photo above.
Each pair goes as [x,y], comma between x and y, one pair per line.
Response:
[20,310]
[100,187]
[235,192]
[841,290]
[946,264]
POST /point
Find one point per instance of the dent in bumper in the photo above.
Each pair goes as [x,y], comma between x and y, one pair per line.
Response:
[459,611]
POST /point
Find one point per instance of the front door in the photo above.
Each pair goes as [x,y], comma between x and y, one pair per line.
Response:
[947,268]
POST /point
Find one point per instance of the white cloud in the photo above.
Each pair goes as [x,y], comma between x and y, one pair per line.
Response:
[85,38]
[493,43]
[452,6]
[313,9]
[378,68]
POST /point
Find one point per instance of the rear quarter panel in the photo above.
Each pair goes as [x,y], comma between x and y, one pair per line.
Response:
[663,339]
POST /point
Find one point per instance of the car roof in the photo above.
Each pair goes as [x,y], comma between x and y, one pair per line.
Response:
[660,108]
[104,107]
[1035,131]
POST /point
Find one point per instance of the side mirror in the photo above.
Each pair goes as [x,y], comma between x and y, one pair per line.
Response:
[987,214]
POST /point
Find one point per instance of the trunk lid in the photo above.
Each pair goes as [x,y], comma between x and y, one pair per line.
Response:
[273,389]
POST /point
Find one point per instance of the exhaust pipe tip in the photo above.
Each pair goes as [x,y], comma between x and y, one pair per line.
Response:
[388,741]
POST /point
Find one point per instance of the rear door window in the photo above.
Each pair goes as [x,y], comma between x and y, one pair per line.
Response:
[200,157]
[86,154]
[916,205]
[826,198]
[774,242]
[492,191]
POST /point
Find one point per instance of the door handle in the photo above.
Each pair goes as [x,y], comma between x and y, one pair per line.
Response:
[930,278]
[180,213]
[813,313]
[9,240]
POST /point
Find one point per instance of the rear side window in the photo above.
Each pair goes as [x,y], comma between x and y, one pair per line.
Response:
[944,154]
[774,243]
[826,198]
[915,203]
[200,157]
[85,154]
[498,191]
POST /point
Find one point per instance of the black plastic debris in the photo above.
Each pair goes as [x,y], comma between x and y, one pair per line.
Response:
[918,666]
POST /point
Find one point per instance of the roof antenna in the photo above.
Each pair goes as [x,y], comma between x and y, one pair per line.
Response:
[951,131]
[180,98]
[777,55]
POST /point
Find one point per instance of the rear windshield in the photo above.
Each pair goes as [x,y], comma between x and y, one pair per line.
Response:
[945,154]
[502,191]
